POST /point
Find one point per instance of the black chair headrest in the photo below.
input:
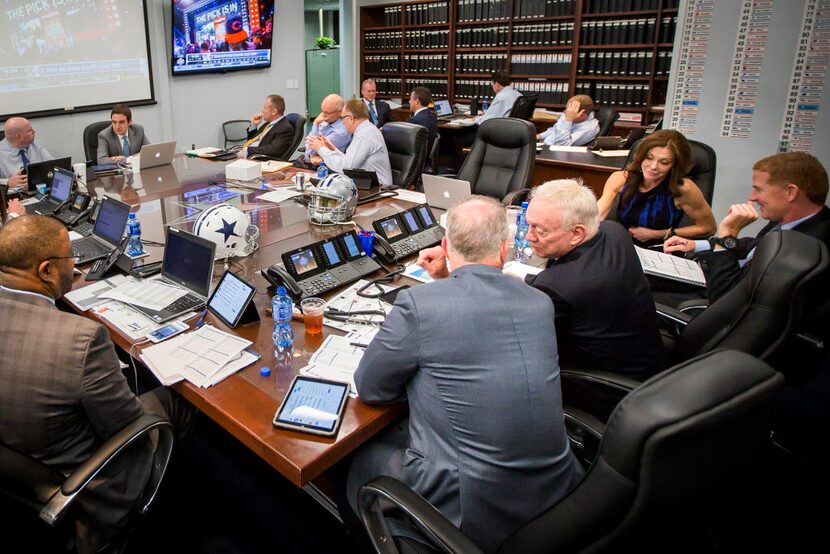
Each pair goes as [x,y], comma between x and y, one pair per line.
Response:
[505,132]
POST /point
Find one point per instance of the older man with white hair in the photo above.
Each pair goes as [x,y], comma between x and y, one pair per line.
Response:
[329,124]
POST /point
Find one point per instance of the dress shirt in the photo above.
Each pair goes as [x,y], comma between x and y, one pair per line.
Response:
[704,246]
[568,133]
[366,151]
[502,104]
[336,132]
[11,163]
[262,130]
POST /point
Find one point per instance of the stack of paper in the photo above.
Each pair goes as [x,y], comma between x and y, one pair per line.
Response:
[272,166]
[671,267]
[520,270]
[336,360]
[204,357]
[279,195]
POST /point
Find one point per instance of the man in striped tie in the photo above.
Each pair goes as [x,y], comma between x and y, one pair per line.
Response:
[378,109]
[270,133]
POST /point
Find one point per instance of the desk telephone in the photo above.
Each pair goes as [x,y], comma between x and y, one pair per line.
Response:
[84,228]
[72,213]
[405,233]
[322,266]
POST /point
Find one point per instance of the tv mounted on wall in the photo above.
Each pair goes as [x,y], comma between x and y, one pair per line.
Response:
[221,35]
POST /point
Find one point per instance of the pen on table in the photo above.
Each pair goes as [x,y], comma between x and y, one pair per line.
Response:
[359,345]
[201,318]
[656,246]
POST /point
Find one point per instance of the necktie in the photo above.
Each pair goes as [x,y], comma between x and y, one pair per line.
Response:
[125,146]
[373,114]
[24,158]
[259,135]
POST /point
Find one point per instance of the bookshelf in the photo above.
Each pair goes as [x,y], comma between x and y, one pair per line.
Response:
[617,51]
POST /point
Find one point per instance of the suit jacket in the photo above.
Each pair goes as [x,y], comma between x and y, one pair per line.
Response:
[62,394]
[722,269]
[276,141]
[605,315]
[426,118]
[109,145]
[384,112]
[475,355]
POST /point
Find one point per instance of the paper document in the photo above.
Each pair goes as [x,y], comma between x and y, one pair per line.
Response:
[418,273]
[151,294]
[462,122]
[568,148]
[611,153]
[336,359]
[520,269]
[671,267]
[129,321]
[204,152]
[89,296]
[279,195]
[412,196]
[272,166]
[74,235]
[348,301]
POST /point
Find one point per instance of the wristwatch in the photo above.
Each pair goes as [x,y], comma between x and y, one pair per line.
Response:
[728,242]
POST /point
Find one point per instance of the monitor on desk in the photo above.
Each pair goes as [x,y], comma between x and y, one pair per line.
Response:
[443,108]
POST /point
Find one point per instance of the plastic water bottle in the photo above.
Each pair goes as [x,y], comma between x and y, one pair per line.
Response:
[134,246]
[484,105]
[283,309]
[322,171]
[521,247]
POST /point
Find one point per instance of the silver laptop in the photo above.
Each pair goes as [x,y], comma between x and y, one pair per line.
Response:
[187,264]
[443,109]
[154,155]
[442,192]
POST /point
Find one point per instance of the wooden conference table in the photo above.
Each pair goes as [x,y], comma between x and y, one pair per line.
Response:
[244,404]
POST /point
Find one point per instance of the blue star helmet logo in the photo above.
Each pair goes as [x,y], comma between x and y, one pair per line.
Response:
[228,229]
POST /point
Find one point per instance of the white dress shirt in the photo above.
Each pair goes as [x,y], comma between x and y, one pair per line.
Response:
[366,151]
[502,104]
[11,162]
[568,133]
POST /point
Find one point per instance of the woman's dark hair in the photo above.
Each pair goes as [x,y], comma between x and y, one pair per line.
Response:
[681,154]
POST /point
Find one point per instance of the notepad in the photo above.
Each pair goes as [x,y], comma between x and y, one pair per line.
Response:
[670,267]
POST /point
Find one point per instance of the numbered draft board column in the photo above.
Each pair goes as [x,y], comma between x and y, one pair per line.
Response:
[617,51]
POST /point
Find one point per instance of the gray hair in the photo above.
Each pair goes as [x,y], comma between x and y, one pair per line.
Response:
[576,202]
[476,227]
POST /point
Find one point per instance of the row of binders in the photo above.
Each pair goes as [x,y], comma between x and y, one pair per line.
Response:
[384,40]
[473,88]
[614,94]
[543,34]
[481,10]
[480,63]
[421,14]
[604,6]
[438,87]
[423,39]
[546,92]
[426,63]
[481,37]
[392,16]
[388,87]
[540,64]
[618,31]
[628,64]
[382,64]
[542,8]
[667,28]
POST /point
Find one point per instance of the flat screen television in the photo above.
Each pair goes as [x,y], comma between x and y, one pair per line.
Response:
[221,35]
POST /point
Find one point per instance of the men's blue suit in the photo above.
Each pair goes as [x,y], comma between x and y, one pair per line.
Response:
[426,118]
[475,356]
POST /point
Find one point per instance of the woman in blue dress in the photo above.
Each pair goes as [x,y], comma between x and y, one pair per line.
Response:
[654,195]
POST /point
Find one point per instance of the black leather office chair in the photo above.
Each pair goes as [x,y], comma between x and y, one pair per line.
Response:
[606,116]
[671,454]
[2,134]
[407,146]
[768,315]
[297,121]
[235,131]
[502,159]
[434,154]
[49,493]
[91,139]
[524,107]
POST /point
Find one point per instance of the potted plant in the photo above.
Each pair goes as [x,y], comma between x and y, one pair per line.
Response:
[324,43]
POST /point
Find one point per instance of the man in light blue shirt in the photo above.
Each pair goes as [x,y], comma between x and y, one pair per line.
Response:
[18,150]
[367,149]
[577,126]
[328,124]
[503,101]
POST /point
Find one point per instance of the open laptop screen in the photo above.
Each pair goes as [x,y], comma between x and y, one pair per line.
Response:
[443,107]
[188,260]
[112,219]
[61,185]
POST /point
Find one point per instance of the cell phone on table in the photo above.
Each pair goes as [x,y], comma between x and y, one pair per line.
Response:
[169,330]
[313,405]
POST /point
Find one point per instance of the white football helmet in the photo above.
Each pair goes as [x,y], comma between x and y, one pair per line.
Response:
[333,200]
[229,228]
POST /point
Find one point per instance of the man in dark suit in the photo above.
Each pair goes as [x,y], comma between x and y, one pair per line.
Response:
[419,100]
[474,355]
[122,139]
[62,392]
[379,111]
[605,316]
[790,189]
[270,132]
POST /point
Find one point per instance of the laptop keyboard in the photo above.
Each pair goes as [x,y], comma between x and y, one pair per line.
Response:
[40,207]
[87,248]
[84,229]
[184,304]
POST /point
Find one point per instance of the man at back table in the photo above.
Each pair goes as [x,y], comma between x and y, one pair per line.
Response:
[419,100]
[378,110]
[366,151]
[62,392]
[576,126]
[328,124]
[474,355]
[18,150]
[270,133]
[790,189]
[121,139]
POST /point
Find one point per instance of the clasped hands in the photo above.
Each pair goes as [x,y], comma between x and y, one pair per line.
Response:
[316,142]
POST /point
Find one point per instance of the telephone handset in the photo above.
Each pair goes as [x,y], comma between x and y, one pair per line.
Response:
[278,276]
[101,267]
[384,250]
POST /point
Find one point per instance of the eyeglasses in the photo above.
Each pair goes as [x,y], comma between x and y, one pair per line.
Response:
[59,258]
[347,115]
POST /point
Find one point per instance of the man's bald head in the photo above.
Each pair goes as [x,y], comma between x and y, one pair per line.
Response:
[28,240]
[331,106]
[19,132]
[476,229]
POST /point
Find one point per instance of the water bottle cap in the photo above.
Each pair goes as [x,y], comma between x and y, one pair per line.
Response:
[265,371]
[524,205]
[132,215]
[280,290]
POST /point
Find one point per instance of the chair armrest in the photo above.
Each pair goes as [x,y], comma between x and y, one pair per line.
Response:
[613,381]
[265,157]
[693,307]
[670,314]
[429,521]
[511,196]
[106,453]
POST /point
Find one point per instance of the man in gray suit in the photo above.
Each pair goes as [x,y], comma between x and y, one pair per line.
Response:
[122,139]
[62,392]
[475,357]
